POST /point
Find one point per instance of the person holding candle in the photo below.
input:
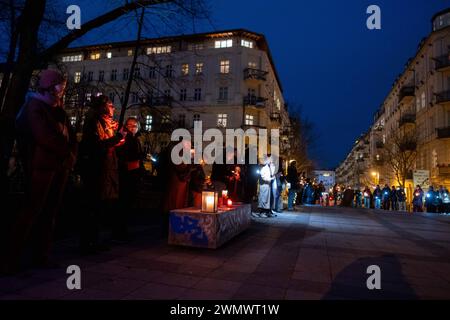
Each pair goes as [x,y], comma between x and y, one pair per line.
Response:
[418,199]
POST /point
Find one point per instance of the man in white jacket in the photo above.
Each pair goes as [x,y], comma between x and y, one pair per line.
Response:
[267,176]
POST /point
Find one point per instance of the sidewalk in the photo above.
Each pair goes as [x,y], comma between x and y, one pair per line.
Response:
[314,253]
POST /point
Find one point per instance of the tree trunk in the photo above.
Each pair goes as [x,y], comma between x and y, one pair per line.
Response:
[11,53]
[133,68]
[28,30]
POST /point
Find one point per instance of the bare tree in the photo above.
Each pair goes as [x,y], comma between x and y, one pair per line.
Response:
[400,154]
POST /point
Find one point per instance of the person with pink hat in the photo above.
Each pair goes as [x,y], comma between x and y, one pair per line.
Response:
[47,148]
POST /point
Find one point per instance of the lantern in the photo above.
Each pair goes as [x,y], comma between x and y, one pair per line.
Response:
[229,203]
[209,201]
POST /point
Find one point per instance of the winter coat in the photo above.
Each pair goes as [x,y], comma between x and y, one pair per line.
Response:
[292,177]
[100,167]
[44,135]
[265,187]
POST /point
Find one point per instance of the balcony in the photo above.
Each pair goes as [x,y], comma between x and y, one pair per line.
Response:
[408,146]
[255,74]
[163,101]
[443,133]
[442,63]
[254,101]
[408,118]
[275,116]
[443,97]
[406,94]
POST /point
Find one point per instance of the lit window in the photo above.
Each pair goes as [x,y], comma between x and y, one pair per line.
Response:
[130,52]
[73,121]
[148,123]
[159,50]
[77,77]
[109,55]
[249,119]
[246,43]
[72,58]
[252,65]
[223,93]
[225,66]
[199,68]
[185,69]
[197,46]
[165,118]
[223,44]
[88,96]
[222,120]
[95,56]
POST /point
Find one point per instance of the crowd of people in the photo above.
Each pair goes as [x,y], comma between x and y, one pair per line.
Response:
[390,198]
[109,161]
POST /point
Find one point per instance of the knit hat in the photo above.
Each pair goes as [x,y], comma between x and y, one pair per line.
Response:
[49,78]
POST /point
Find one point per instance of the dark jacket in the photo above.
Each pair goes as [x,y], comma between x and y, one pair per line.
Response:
[292,177]
[44,135]
[99,158]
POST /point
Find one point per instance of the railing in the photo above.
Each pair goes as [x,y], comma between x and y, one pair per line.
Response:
[443,133]
[408,146]
[442,62]
[256,74]
[406,92]
[407,118]
[255,101]
[161,101]
[443,96]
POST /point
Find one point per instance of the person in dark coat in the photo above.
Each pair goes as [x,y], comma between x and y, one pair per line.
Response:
[431,200]
[386,197]
[292,179]
[130,156]
[308,193]
[99,170]
[377,195]
[394,199]
[349,195]
[47,149]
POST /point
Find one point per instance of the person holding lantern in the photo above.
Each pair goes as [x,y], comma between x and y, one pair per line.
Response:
[99,170]
[418,199]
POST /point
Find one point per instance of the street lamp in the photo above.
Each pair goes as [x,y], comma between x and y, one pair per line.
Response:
[376,175]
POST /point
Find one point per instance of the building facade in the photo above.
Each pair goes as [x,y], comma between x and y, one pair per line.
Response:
[415,116]
[225,79]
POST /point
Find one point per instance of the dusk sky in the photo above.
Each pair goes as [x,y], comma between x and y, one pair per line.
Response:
[327,59]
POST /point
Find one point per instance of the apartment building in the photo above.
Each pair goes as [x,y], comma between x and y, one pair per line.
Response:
[225,79]
[418,105]
[353,171]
